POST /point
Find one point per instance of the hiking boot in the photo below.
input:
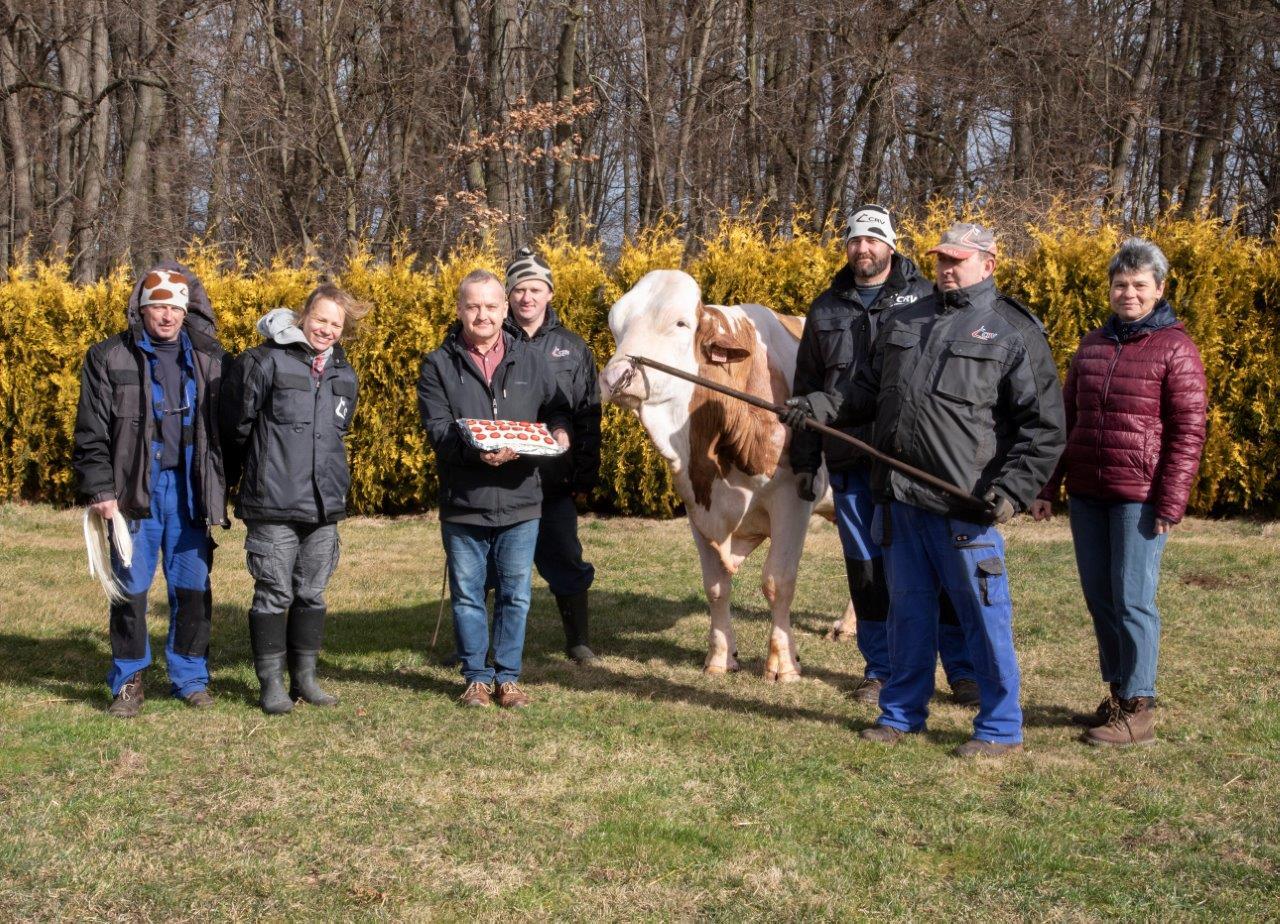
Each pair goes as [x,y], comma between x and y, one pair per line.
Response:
[476,695]
[128,702]
[1101,715]
[1133,721]
[977,747]
[965,693]
[868,690]
[511,696]
[200,699]
[882,734]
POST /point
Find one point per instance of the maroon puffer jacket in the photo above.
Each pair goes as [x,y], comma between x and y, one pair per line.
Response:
[1135,417]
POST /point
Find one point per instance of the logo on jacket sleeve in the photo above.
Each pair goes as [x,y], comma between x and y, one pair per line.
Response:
[986,336]
[341,409]
[559,352]
[904,298]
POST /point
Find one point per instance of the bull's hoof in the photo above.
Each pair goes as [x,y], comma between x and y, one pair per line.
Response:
[838,633]
[719,670]
[771,676]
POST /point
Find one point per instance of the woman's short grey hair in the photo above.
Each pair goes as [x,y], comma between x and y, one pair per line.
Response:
[1137,254]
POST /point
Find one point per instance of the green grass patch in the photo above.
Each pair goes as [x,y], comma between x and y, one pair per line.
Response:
[637,789]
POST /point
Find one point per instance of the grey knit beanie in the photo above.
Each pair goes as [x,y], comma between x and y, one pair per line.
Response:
[527,265]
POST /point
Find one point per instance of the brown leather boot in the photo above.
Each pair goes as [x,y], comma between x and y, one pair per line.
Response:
[1133,721]
[128,702]
[1101,715]
[868,690]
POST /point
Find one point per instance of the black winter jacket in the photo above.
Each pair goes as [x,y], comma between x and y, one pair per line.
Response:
[574,366]
[114,427]
[451,387]
[963,386]
[287,433]
[836,342]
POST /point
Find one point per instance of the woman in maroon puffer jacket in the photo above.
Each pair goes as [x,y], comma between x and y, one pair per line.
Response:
[1135,402]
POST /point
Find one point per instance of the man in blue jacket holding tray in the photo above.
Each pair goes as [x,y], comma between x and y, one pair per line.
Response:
[490,501]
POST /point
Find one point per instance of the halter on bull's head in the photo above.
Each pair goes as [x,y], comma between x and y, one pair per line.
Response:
[662,317]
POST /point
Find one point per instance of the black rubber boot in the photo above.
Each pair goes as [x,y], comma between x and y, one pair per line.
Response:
[306,638]
[574,613]
[267,637]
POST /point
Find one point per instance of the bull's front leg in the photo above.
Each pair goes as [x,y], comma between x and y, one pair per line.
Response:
[844,629]
[722,647]
[779,587]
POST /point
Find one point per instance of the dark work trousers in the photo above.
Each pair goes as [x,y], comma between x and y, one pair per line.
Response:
[290,564]
[558,555]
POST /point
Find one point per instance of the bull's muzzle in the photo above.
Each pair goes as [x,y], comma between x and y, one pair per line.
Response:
[622,382]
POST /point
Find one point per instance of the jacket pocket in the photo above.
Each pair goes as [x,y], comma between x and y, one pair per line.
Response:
[126,393]
[344,402]
[970,372]
[292,398]
[835,342]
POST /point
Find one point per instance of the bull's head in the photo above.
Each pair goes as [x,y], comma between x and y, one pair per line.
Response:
[663,318]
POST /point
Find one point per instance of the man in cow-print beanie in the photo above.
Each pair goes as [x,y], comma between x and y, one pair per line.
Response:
[147,446]
[558,556]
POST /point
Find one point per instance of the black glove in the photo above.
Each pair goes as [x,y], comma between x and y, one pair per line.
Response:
[1001,507]
[798,410]
[804,487]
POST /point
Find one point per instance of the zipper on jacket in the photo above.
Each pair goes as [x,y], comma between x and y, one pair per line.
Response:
[1102,408]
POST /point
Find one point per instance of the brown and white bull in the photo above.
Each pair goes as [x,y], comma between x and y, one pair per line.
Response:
[728,458]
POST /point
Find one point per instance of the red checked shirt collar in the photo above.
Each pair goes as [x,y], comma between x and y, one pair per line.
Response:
[488,362]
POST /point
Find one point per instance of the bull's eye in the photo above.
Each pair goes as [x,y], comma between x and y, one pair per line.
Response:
[682,323]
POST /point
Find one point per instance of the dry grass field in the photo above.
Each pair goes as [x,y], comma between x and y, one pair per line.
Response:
[637,789]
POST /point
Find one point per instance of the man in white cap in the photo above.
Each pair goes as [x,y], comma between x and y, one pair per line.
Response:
[841,327]
[146,445]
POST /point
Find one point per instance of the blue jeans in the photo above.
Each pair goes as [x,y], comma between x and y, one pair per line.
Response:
[855,511]
[928,552]
[472,551]
[1118,556]
[185,550]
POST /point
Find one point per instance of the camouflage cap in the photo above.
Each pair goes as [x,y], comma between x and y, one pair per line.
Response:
[963,239]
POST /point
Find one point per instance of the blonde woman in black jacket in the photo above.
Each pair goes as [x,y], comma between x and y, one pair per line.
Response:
[287,408]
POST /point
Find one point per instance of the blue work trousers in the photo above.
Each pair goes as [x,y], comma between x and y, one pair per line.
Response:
[472,551]
[185,551]
[1118,555]
[926,552]
[855,510]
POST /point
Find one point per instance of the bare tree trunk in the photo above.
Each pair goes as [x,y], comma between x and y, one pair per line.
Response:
[133,182]
[220,192]
[89,203]
[328,31]
[24,206]
[462,42]
[697,68]
[1216,110]
[72,52]
[501,179]
[1122,150]
[566,88]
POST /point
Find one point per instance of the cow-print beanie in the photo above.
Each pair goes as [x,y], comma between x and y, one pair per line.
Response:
[164,287]
[527,265]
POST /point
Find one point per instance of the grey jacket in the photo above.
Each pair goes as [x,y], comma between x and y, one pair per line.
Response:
[961,385]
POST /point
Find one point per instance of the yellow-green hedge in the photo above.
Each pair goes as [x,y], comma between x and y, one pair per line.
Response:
[1225,287]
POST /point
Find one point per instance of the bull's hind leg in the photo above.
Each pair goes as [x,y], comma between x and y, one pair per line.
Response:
[722,647]
[779,586]
[844,629]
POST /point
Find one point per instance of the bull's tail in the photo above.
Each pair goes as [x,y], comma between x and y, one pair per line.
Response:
[98,546]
